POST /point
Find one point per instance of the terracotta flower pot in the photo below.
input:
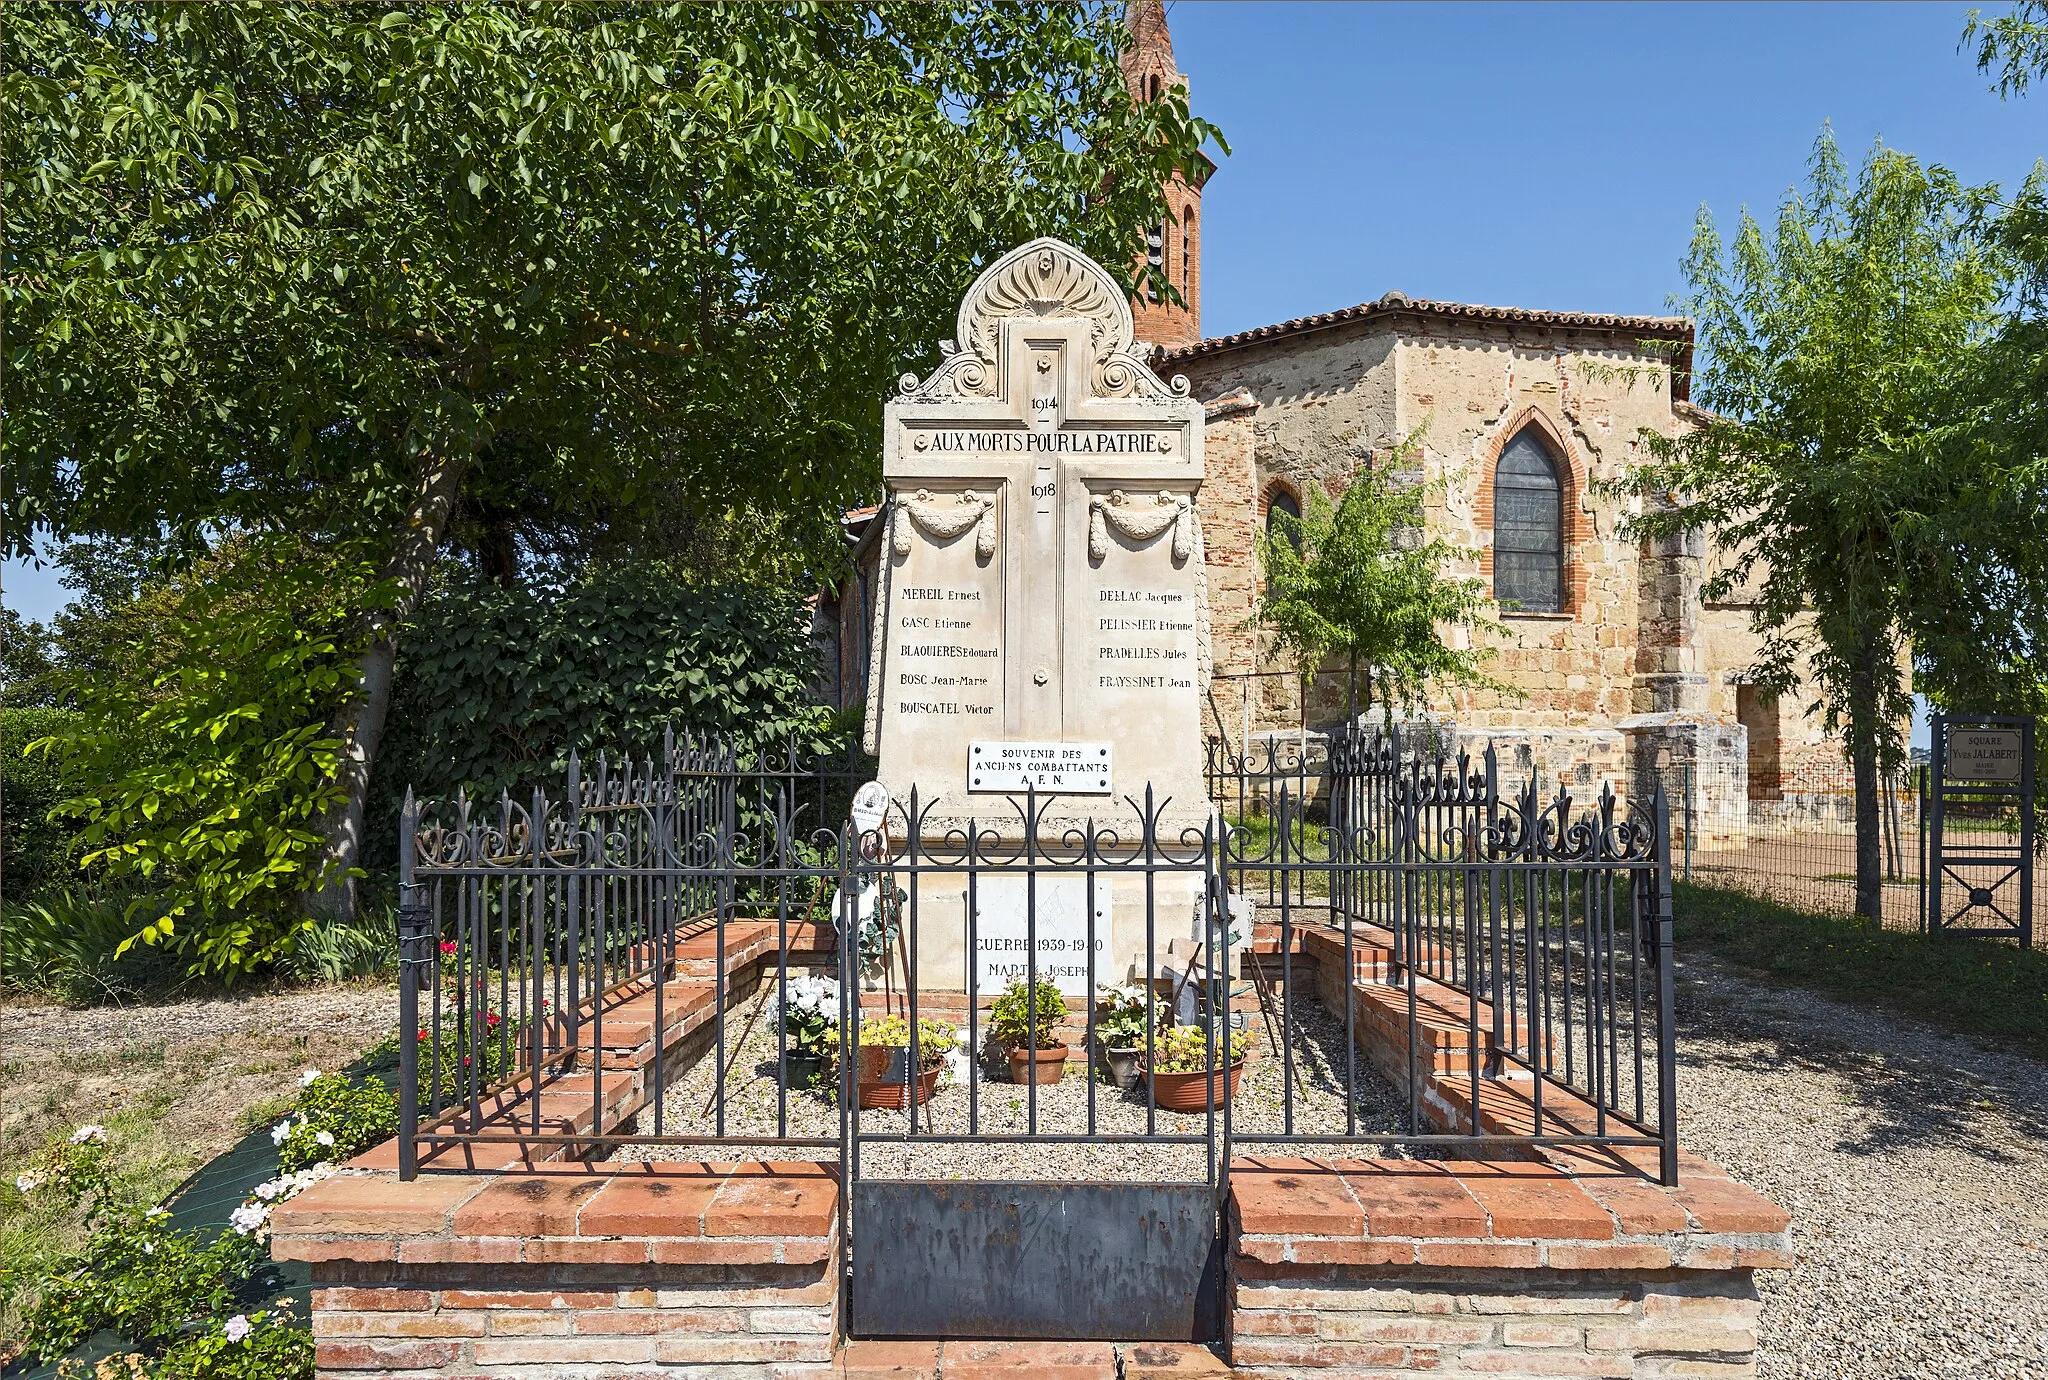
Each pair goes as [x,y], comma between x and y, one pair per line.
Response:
[1190,1092]
[880,1078]
[1039,1066]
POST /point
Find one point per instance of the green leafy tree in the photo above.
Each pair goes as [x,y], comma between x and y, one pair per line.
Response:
[357,271]
[1361,579]
[2013,46]
[209,781]
[1831,355]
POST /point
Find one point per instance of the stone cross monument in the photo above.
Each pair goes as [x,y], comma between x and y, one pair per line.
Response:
[1041,613]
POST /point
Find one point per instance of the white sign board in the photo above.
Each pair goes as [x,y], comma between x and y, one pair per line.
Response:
[1056,768]
[1982,754]
[1002,944]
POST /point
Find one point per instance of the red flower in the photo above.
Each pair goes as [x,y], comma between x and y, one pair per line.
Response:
[447,946]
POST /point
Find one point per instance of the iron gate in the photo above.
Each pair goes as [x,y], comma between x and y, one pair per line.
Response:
[708,902]
[1981,827]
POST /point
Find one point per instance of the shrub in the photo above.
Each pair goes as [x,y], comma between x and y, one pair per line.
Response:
[1120,1021]
[1185,1049]
[1028,1016]
[73,945]
[935,1039]
[336,1119]
[249,656]
[811,1019]
[36,853]
[169,1295]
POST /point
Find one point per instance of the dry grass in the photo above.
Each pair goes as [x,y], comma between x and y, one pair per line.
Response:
[174,1084]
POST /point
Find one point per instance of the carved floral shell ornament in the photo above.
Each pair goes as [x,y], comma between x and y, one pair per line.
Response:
[1045,279]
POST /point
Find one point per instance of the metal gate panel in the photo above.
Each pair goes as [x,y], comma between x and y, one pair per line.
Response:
[1059,1261]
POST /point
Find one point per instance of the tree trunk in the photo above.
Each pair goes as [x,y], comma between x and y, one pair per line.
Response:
[360,723]
[1351,693]
[1864,707]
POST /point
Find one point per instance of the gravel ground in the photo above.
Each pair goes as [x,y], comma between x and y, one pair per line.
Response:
[1062,1109]
[38,1030]
[1914,1167]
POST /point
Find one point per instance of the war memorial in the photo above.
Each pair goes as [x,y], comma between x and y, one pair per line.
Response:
[1012,1040]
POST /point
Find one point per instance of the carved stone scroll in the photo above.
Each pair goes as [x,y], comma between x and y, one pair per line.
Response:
[946,520]
[1140,523]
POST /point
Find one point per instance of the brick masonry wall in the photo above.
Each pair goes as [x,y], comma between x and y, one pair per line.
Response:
[689,1269]
[1332,400]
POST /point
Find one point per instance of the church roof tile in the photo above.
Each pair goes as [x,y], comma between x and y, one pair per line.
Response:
[1395,303]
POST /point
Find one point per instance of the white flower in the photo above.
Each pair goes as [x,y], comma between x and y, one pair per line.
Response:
[324,1138]
[280,1131]
[236,1328]
[156,1212]
[149,1248]
[248,1218]
[95,1133]
[306,1078]
[28,1182]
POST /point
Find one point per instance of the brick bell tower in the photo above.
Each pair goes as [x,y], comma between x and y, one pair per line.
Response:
[1176,243]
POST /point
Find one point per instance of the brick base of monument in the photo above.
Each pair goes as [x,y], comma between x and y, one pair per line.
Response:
[600,1271]
[1462,1269]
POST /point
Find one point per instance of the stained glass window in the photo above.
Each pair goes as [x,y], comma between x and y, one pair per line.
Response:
[1528,527]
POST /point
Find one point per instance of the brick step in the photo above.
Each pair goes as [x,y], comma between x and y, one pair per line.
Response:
[996,1360]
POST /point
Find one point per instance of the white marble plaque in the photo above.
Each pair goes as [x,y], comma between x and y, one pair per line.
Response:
[1054,768]
[1001,944]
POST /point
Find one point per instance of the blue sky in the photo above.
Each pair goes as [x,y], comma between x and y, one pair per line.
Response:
[1529,155]
[1548,156]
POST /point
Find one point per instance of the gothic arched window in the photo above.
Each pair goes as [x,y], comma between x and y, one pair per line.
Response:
[1284,504]
[1528,527]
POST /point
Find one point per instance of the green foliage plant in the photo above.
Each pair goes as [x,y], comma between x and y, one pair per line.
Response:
[365,270]
[1831,355]
[1186,1049]
[209,784]
[2013,46]
[1028,1015]
[169,1294]
[500,682]
[36,852]
[336,1119]
[935,1038]
[1361,579]
[1120,1018]
[73,945]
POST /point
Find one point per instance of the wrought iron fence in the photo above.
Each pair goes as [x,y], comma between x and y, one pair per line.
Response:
[701,948]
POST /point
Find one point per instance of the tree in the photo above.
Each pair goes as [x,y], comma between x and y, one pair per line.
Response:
[353,271]
[1360,580]
[1831,356]
[2014,45]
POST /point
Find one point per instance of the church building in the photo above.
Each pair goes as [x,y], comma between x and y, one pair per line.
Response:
[1620,670]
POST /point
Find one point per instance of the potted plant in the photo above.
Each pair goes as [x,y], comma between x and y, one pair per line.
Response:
[1120,1031]
[1027,1018]
[883,1073]
[1180,1068]
[810,1027]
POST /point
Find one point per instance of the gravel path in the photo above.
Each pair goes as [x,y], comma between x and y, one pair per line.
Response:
[1062,1109]
[1914,1167]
